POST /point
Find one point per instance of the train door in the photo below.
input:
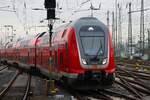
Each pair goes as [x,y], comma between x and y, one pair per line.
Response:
[17,54]
[28,55]
[41,56]
[61,59]
[38,56]
[45,57]
[54,61]
[31,55]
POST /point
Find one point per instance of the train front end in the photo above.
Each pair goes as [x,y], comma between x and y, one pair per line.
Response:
[91,52]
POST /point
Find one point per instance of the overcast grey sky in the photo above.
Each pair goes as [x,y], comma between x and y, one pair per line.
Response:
[25,15]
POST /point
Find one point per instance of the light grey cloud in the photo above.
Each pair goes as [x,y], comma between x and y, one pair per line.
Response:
[26,16]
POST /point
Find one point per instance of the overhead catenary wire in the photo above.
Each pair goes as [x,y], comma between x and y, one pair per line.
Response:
[78,3]
[74,11]
[16,11]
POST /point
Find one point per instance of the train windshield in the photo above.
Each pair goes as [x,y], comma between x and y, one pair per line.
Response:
[93,46]
[92,43]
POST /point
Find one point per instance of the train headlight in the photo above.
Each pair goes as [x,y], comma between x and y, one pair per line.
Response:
[104,61]
[84,61]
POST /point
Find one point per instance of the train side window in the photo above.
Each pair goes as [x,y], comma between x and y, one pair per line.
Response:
[64,32]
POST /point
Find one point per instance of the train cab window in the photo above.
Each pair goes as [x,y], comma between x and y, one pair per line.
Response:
[92,39]
[92,44]
[64,32]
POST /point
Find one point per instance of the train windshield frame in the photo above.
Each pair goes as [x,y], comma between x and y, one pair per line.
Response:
[92,43]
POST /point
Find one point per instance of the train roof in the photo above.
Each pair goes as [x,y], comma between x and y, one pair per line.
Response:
[30,41]
[84,21]
[41,40]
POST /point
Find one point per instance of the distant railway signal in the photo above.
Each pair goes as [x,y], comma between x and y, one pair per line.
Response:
[50,4]
[50,13]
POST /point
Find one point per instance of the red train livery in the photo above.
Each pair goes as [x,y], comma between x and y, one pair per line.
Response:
[80,51]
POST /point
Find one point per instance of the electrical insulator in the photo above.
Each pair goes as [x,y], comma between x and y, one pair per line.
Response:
[50,4]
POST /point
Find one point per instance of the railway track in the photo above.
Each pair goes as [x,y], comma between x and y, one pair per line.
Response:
[134,61]
[135,65]
[129,85]
[4,91]
[107,94]
[137,82]
[3,68]
[28,85]
[9,88]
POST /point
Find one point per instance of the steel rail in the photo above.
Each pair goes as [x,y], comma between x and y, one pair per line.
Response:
[127,64]
[138,83]
[142,90]
[3,68]
[129,88]
[3,93]
[144,77]
[116,94]
[138,88]
[141,73]
[136,71]
[25,97]
[133,76]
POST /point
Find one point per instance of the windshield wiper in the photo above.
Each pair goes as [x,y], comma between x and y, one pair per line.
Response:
[95,57]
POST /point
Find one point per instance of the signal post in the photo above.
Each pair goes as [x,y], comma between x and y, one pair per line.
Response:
[50,6]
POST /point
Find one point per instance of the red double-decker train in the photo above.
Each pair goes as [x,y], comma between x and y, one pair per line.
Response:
[80,52]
